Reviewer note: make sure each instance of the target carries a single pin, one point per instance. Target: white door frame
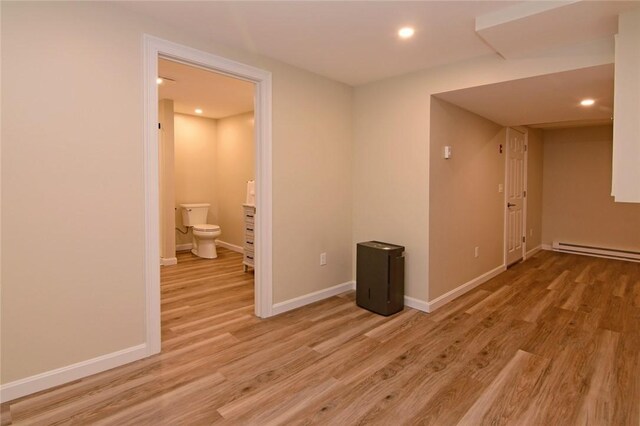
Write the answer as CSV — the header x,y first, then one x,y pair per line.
x,y
153,49
526,196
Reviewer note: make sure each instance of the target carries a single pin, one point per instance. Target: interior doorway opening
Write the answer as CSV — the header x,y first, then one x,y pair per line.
x,y
155,50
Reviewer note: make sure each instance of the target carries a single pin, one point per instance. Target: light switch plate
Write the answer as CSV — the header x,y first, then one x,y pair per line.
x,y
447,152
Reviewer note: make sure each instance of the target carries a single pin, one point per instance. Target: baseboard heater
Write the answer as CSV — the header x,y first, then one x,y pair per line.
x,y
633,256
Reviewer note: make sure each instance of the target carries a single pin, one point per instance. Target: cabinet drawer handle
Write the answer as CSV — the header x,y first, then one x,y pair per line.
x,y
250,242
249,216
249,229
250,257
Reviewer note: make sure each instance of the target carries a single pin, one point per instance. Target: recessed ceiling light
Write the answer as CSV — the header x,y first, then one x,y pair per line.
x,y
587,102
198,111
159,80
406,32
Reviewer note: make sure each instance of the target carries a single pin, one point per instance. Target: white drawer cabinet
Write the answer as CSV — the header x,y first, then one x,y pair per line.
x,y
249,222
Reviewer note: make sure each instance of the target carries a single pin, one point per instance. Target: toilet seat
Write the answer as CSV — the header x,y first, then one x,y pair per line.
x,y
206,228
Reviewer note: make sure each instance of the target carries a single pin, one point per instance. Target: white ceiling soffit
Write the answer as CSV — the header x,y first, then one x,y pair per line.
x,y
541,100
216,94
529,27
354,42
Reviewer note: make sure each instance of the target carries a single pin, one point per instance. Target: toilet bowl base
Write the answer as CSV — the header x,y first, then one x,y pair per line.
x,y
205,249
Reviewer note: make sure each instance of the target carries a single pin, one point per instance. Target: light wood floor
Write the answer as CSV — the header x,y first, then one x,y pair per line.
x,y
552,341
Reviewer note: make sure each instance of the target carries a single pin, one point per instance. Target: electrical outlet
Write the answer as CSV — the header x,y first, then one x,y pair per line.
x,y
476,252
323,259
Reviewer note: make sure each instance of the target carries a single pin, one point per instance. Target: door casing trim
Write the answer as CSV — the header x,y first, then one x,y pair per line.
x,y
153,49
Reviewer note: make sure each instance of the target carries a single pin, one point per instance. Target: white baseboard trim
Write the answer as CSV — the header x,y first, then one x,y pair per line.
x,y
464,288
184,247
166,261
409,302
59,376
532,251
297,302
229,246
418,304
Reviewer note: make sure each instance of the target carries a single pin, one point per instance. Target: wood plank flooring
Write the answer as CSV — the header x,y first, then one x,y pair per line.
x,y
552,341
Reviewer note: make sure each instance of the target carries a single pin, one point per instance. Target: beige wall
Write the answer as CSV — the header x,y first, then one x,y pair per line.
x,y
214,159
195,168
534,188
577,202
312,186
466,207
391,145
234,167
72,180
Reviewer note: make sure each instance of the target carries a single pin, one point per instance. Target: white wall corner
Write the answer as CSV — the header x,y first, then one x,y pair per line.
x,y
60,376
307,299
464,288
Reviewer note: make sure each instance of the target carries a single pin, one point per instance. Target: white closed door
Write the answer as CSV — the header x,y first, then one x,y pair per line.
x,y
515,193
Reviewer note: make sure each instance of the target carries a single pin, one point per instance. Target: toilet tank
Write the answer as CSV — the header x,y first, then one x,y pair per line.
x,y
194,214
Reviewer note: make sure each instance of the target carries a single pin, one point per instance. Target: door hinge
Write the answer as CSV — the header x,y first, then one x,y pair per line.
x,y
526,147
524,193
524,239
159,126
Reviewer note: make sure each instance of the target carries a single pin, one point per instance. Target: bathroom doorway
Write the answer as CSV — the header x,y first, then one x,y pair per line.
x,y
207,198
158,50
206,159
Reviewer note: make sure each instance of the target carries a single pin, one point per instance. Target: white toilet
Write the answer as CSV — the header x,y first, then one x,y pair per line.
x,y
204,235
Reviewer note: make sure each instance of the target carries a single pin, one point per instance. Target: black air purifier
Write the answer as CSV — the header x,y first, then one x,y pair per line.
x,y
380,277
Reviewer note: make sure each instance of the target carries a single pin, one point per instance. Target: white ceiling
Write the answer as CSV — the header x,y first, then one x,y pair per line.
x,y
217,95
355,42
543,100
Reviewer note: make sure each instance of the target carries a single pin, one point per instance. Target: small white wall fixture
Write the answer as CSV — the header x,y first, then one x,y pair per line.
x,y
155,48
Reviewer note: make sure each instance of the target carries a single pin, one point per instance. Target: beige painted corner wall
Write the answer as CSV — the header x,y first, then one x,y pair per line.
x,y
211,162
466,207
234,167
391,145
534,188
72,178
577,202
195,168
